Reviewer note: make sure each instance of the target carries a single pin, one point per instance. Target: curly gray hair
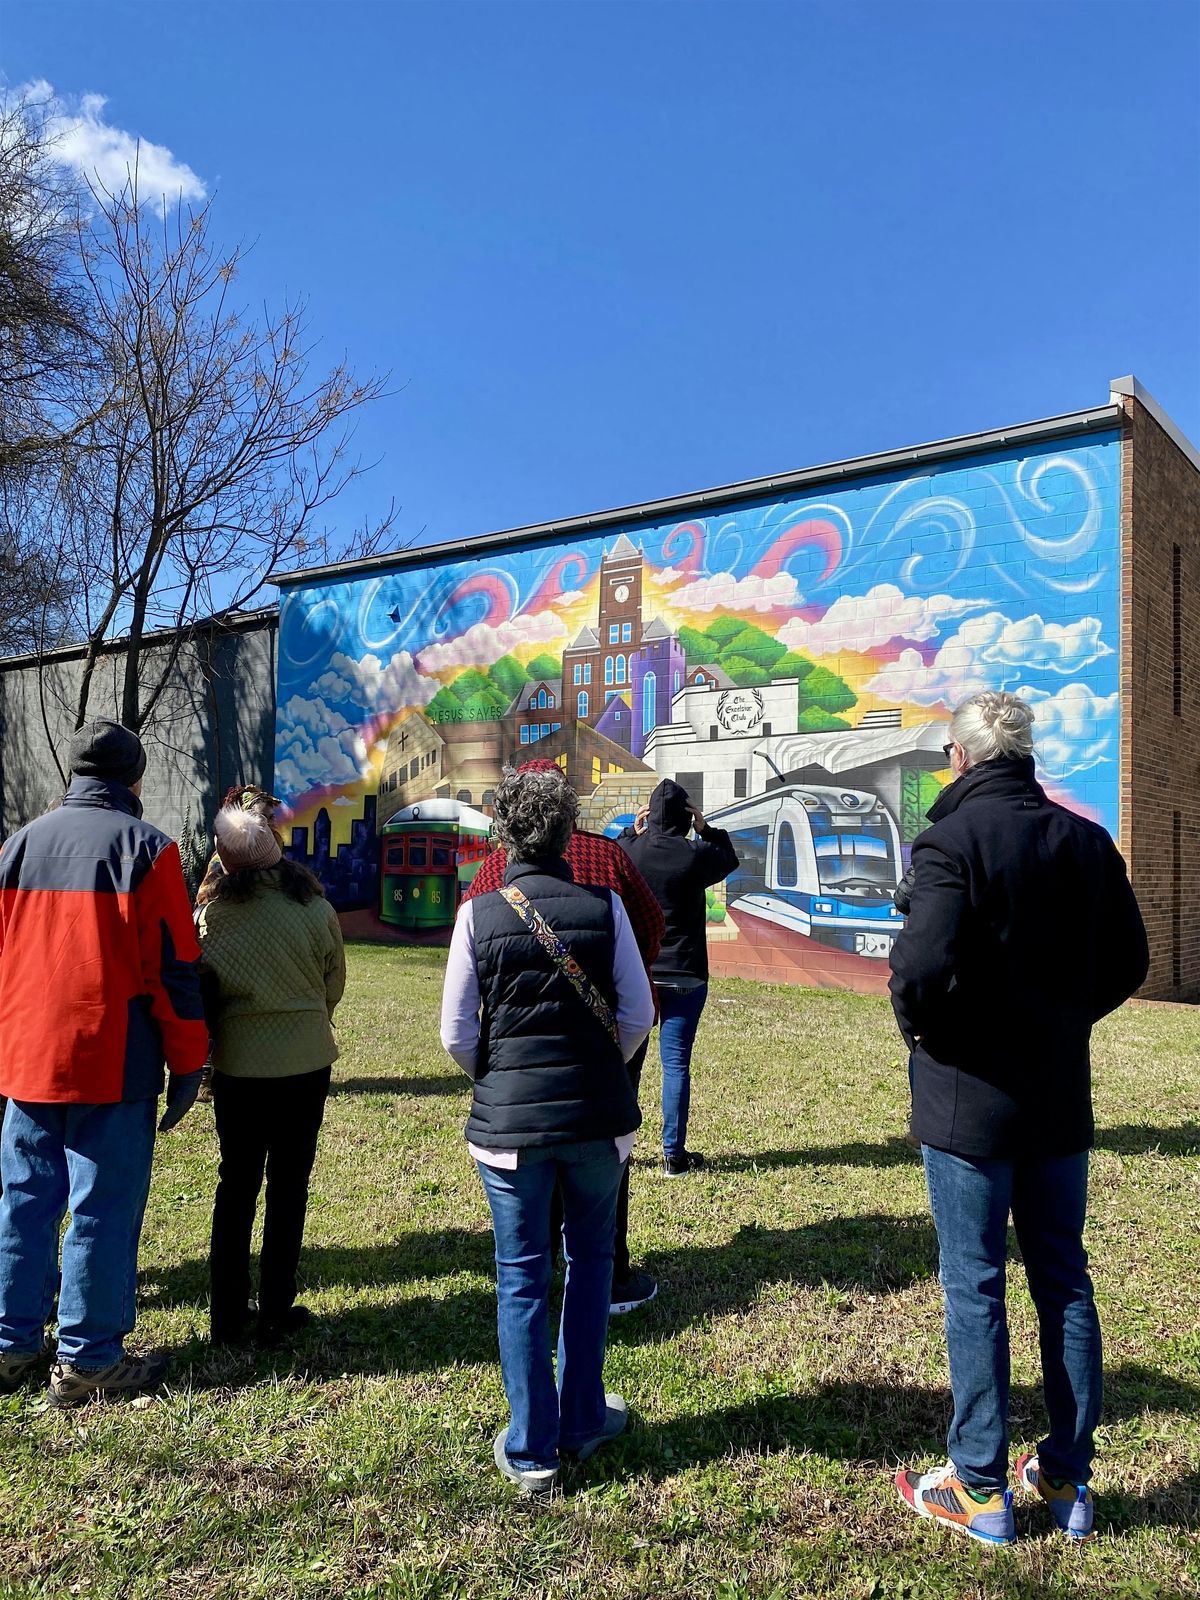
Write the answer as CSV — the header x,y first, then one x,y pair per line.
x,y
534,813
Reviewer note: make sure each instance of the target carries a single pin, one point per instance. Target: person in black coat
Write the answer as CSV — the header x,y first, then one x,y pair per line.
x,y
1022,931
679,870
546,1000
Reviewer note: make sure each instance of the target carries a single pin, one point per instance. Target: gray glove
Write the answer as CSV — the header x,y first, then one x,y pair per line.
x,y
182,1089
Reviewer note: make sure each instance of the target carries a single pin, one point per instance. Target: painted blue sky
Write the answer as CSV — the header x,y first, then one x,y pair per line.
x,y
989,572
610,252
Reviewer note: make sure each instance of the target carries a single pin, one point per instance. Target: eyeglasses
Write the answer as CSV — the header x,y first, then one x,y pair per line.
x,y
946,750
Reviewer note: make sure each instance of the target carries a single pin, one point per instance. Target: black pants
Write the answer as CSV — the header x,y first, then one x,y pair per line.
x,y
266,1124
621,1264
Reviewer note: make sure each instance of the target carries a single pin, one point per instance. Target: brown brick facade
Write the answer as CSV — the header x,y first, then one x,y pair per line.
x,y
1160,663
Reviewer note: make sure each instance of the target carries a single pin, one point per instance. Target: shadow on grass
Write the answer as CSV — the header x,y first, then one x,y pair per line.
x,y
879,1424
427,1331
887,1153
444,1084
1134,1139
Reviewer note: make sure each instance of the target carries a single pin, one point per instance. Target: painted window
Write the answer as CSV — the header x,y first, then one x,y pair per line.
x,y
524,733
739,784
587,672
626,632
545,729
614,632
550,701
465,796
676,688
596,773
533,702
608,669
649,686
786,864
583,704
578,674
541,699
620,669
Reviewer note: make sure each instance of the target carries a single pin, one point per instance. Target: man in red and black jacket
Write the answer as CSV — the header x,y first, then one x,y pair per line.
x,y
600,863
99,983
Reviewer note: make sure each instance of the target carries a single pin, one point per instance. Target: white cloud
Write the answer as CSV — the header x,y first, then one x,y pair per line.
x,y
726,593
1073,728
484,644
316,745
85,143
865,622
397,686
988,652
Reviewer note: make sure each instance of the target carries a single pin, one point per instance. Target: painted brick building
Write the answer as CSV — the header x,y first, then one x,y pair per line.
x,y
790,649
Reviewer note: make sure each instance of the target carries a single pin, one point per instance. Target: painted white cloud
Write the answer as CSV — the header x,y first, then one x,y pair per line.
x,y
724,592
988,652
314,745
86,143
1073,728
865,622
374,686
484,643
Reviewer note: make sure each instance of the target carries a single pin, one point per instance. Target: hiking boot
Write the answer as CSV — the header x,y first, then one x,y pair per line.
x,y
15,1368
616,1417
680,1166
273,1330
537,1483
1070,1504
982,1514
637,1290
75,1386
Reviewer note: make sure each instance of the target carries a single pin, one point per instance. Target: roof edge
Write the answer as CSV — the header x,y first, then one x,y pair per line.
x,y
1093,421
1135,390
232,622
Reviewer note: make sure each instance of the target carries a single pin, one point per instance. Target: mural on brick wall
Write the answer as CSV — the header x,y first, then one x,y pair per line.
x,y
791,663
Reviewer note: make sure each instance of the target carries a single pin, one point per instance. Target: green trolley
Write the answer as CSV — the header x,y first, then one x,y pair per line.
x,y
429,853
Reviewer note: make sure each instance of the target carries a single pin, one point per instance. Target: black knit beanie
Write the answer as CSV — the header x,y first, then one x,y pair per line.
x,y
103,749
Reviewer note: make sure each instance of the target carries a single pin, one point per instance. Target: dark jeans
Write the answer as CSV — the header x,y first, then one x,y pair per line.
x,y
971,1201
271,1124
679,1017
622,1266
546,1417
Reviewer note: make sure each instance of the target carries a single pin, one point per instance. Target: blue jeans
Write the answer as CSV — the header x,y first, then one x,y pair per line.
x,y
679,1017
588,1175
971,1201
95,1162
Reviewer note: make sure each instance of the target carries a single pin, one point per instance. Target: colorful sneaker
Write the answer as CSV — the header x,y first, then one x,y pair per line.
x,y
537,1484
14,1369
75,1386
1070,1504
943,1496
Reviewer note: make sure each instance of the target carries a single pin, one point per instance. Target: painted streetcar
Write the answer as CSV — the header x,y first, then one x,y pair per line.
x,y
820,861
429,853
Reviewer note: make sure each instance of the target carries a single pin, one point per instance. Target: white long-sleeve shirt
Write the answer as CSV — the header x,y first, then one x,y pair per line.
x,y
461,1001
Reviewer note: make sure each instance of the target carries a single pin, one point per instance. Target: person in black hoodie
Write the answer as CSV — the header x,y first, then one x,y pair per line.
x,y
679,870
1022,932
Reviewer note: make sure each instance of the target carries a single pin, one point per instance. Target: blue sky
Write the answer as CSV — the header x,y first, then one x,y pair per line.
x,y
611,252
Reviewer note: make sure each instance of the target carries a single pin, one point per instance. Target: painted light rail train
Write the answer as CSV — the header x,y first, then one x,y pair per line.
x,y
822,861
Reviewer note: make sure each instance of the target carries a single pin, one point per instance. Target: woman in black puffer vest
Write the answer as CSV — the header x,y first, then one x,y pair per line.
x,y
546,999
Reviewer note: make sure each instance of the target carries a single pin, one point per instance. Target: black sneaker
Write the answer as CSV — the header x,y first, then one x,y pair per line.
x,y
637,1290
680,1166
272,1331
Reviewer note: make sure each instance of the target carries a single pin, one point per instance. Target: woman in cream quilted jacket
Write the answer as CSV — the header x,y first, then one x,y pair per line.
x,y
272,971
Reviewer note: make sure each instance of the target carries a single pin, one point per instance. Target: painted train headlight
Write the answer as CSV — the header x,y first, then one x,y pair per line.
x,y
825,907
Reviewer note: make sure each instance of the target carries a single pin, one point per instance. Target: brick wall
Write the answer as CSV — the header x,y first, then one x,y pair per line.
x,y
1160,697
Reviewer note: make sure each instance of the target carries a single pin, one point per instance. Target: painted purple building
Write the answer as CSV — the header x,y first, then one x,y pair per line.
x,y
658,673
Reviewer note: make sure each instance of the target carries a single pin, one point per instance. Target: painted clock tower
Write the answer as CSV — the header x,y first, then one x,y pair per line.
x,y
599,665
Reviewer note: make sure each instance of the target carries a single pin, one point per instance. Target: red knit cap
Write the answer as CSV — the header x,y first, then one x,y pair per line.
x,y
541,764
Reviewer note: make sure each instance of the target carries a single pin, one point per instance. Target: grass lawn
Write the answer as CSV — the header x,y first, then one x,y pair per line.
x,y
793,1358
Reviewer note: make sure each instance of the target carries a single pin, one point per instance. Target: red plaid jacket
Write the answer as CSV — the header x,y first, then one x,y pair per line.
x,y
601,863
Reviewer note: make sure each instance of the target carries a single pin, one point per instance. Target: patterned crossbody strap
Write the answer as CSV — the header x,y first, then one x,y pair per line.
x,y
563,960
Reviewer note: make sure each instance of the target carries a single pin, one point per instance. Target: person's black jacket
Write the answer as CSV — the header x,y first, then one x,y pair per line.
x,y
548,1072
679,870
1023,930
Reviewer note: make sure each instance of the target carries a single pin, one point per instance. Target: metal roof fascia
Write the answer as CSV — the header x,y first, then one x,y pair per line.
x,y
240,622
1073,422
